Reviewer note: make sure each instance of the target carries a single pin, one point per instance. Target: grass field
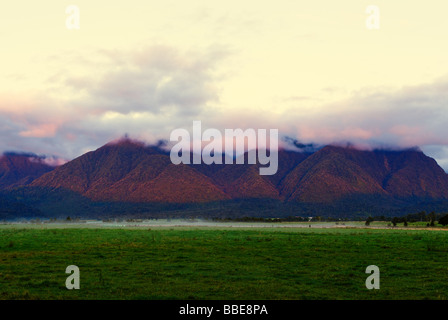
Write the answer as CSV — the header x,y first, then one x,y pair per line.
x,y
221,263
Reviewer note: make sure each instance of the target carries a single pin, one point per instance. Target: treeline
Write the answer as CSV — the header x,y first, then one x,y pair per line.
x,y
430,218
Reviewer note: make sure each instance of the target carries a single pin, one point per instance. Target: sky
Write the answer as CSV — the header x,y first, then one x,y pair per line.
x,y
311,69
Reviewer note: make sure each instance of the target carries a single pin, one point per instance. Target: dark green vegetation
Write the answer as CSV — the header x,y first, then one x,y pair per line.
x,y
218,263
39,202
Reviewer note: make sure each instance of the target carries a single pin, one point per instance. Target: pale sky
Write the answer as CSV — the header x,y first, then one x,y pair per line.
x,y
311,69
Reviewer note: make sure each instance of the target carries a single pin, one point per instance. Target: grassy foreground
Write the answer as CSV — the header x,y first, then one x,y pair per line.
x,y
222,263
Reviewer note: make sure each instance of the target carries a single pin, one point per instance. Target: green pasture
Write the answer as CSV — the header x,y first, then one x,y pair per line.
x,y
278,263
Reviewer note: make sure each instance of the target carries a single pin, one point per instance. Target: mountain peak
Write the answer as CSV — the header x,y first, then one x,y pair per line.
x,y
17,169
125,142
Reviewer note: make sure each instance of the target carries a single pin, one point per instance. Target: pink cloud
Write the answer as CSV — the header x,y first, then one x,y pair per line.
x,y
40,131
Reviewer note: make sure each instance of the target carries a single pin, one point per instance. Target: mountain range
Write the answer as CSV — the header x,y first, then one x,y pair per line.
x,y
130,177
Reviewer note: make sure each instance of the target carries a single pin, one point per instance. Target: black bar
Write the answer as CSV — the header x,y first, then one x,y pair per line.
x,y
236,309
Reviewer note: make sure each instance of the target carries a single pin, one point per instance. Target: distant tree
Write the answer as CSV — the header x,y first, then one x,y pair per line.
x,y
395,220
444,220
405,222
369,220
68,218
432,218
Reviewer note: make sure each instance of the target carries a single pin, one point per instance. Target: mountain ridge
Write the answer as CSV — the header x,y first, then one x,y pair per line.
x,y
132,172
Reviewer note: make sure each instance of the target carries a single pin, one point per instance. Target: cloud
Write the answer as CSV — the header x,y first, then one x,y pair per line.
x,y
406,117
297,145
49,160
150,91
371,118
155,79
22,154
388,118
145,92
